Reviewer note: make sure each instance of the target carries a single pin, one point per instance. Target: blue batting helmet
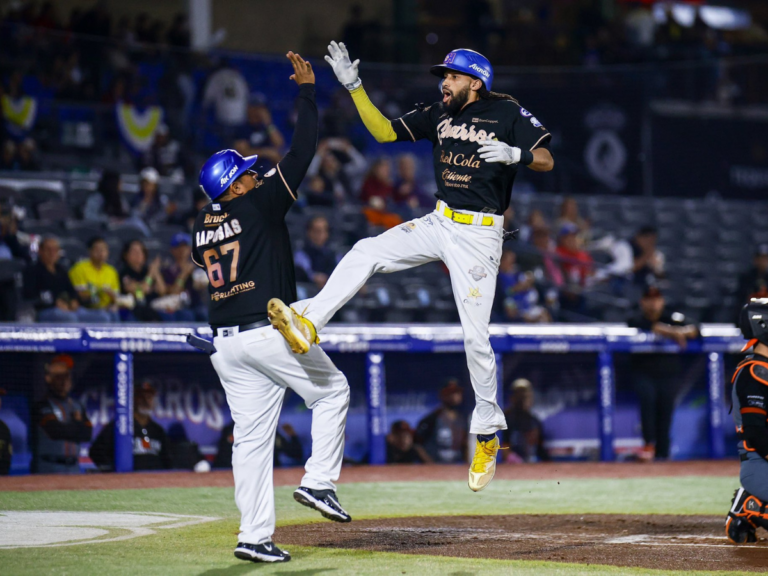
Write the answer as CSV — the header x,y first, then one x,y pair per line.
x,y
466,62
221,169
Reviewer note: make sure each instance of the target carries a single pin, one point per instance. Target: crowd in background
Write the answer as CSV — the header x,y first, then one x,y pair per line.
x,y
61,427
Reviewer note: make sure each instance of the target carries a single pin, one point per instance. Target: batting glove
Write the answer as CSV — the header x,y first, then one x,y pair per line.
x,y
345,70
495,151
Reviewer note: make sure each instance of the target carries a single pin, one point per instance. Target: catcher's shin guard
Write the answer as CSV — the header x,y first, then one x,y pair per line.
x,y
746,514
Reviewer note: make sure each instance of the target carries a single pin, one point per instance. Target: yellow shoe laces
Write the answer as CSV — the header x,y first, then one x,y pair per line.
x,y
485,453
311,331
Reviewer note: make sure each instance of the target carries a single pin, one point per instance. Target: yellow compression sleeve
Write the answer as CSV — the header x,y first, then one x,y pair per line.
x,y
377,124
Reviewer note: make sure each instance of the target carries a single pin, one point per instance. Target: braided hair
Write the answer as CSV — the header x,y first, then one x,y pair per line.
x,y
486,94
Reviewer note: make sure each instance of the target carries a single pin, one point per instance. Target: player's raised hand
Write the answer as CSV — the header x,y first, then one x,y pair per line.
x,y
343,67
496,151
302,70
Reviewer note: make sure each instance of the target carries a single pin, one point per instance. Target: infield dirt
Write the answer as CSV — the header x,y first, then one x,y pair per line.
x,y
653,541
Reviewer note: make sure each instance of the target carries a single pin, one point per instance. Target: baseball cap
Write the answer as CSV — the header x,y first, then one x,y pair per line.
x,y
150,175
65,359
401,426
181,238
567,228
521,383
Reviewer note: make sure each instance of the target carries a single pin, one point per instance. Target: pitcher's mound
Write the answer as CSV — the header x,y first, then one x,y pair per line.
x,y
661,542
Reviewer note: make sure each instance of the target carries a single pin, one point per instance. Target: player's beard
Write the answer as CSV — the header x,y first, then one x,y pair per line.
x,y
457,101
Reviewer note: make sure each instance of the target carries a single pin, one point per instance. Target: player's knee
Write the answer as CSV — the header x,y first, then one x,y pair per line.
x,y
477,345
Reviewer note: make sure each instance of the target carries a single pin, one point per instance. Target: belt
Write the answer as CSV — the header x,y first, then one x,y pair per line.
x,y
463,217
223,332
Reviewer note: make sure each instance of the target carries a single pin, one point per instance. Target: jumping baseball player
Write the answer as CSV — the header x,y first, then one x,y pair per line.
x,y
750,410
242,242
479,139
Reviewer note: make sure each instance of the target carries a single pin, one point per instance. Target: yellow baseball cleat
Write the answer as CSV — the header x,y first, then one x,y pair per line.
x,y
299,332
483,465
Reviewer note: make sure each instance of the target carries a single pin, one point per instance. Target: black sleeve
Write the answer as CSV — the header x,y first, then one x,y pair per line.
x,y
197,260
640,322
6,449
165,454
74,431
426,429
31,291
417,124
102,451
527,132
224,453
752,391
291,447
293,167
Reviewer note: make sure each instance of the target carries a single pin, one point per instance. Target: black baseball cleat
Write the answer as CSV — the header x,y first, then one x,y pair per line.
x,y
265,552
738,528
324,501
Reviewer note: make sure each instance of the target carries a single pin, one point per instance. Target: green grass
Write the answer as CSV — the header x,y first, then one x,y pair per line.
x,y
206,549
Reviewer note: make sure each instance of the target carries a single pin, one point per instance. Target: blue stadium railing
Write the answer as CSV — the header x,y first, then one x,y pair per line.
x,y
375,341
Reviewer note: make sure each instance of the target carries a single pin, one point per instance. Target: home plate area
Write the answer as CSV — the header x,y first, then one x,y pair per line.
x,y
35,529
661,542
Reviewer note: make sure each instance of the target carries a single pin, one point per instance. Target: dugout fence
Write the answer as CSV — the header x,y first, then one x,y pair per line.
x,y
394,371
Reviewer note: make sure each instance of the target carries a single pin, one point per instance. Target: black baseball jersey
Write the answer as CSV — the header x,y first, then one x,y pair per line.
x,y
243,244
464,180
750,405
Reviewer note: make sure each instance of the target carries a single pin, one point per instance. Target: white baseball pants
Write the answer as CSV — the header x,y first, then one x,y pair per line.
x,y
471,254
255,367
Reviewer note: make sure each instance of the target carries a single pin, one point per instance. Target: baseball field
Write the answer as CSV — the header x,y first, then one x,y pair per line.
x,y
575,518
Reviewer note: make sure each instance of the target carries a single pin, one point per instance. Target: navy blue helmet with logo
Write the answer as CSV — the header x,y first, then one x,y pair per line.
x,y
467,62
221,169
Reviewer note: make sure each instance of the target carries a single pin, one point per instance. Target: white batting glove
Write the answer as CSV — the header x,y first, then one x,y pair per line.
x,y
496,151
345,70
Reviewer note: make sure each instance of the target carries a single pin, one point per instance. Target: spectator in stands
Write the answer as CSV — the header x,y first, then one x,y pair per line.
x,y
754,282
353,32
377,193
8,160
535,221
150,442
178,34
259,135
141,280
315,258
60,423
187,219
569,214
107,204
47,285
378,182
400,446
288,448
575,262
27,155
227,91
340,166
524,434
656,376
165,155
317,192
443,433
6,443
517,299
548,270
96,281
12,253
409,194
648,260
178,274
151,207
